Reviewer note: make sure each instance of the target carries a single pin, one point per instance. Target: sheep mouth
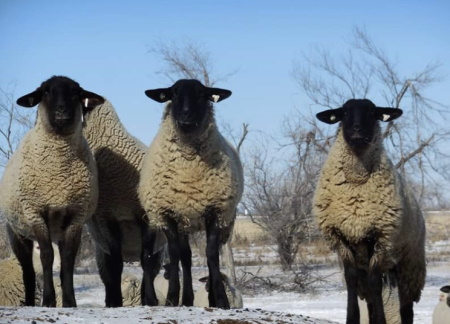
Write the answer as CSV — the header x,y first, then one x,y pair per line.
x,y
187,127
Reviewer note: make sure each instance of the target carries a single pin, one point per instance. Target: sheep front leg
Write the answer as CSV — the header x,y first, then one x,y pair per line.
x,y
68,249
150,264
406,311
375,286
216,296
186,263
23,250
171,232
351,274
47,256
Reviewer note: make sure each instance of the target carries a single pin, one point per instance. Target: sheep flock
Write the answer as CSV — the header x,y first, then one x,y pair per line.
x,y
79,166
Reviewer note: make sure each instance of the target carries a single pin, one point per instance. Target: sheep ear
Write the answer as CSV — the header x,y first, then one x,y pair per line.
x,y
387,114
31,99
90,100
445,289
159,95
203,279
217,94
330,116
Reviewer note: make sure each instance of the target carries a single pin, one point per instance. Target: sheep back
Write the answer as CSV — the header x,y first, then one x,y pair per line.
x,y
184,183
119,158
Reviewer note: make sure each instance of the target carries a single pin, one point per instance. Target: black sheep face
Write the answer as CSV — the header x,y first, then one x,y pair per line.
x,y
359,121
63,101
191,103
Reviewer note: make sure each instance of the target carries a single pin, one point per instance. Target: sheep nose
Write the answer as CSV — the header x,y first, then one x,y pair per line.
x,y
357,128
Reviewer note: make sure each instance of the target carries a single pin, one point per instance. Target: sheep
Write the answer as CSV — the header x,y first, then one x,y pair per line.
x,y
49,186
12,291
441,313
131,290
191,180
367,213
117,226
234,296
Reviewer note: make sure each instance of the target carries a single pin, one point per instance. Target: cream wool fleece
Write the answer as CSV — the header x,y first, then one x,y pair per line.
x,y
184,179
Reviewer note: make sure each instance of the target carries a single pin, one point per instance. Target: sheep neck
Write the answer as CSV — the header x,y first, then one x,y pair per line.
x,y
202,144
47,135
358,169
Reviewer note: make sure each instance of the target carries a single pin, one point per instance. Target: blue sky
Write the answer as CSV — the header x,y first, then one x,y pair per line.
x,y
104,46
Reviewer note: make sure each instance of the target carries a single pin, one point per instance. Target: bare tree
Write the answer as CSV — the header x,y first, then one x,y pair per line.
x,y
14,122
187,59
280,187
365,70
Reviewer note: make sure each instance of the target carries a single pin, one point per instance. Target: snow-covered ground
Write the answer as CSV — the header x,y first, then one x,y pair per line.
x,y
327,304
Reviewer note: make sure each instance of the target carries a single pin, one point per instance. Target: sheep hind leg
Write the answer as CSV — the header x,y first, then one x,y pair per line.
x,y
150,263
217,296
173,293
68,249
23,250
186,263
110,266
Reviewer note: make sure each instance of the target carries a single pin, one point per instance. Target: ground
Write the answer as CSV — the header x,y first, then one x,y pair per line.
x,y
325,305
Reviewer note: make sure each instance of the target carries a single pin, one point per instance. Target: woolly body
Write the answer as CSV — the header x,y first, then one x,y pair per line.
x,y
364,199
119,158
185,181
12,289
49,173
131,290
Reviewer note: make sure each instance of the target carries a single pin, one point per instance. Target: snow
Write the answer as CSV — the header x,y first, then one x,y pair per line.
x,y
327,304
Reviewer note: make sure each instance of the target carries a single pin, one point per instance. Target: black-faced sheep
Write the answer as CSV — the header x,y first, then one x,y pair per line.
x,y
191,180
118,226
367,213
49,187
441,313
234,296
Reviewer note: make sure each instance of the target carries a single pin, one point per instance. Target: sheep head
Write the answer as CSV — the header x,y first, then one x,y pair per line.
x,y
62,101
191,103
359,121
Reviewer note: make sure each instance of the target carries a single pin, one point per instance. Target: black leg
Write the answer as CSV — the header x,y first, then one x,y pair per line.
x,y
217,296
23,250
47,257
351,279
171,232
186,263
375,286
150,264
68,249
407,313
110,266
